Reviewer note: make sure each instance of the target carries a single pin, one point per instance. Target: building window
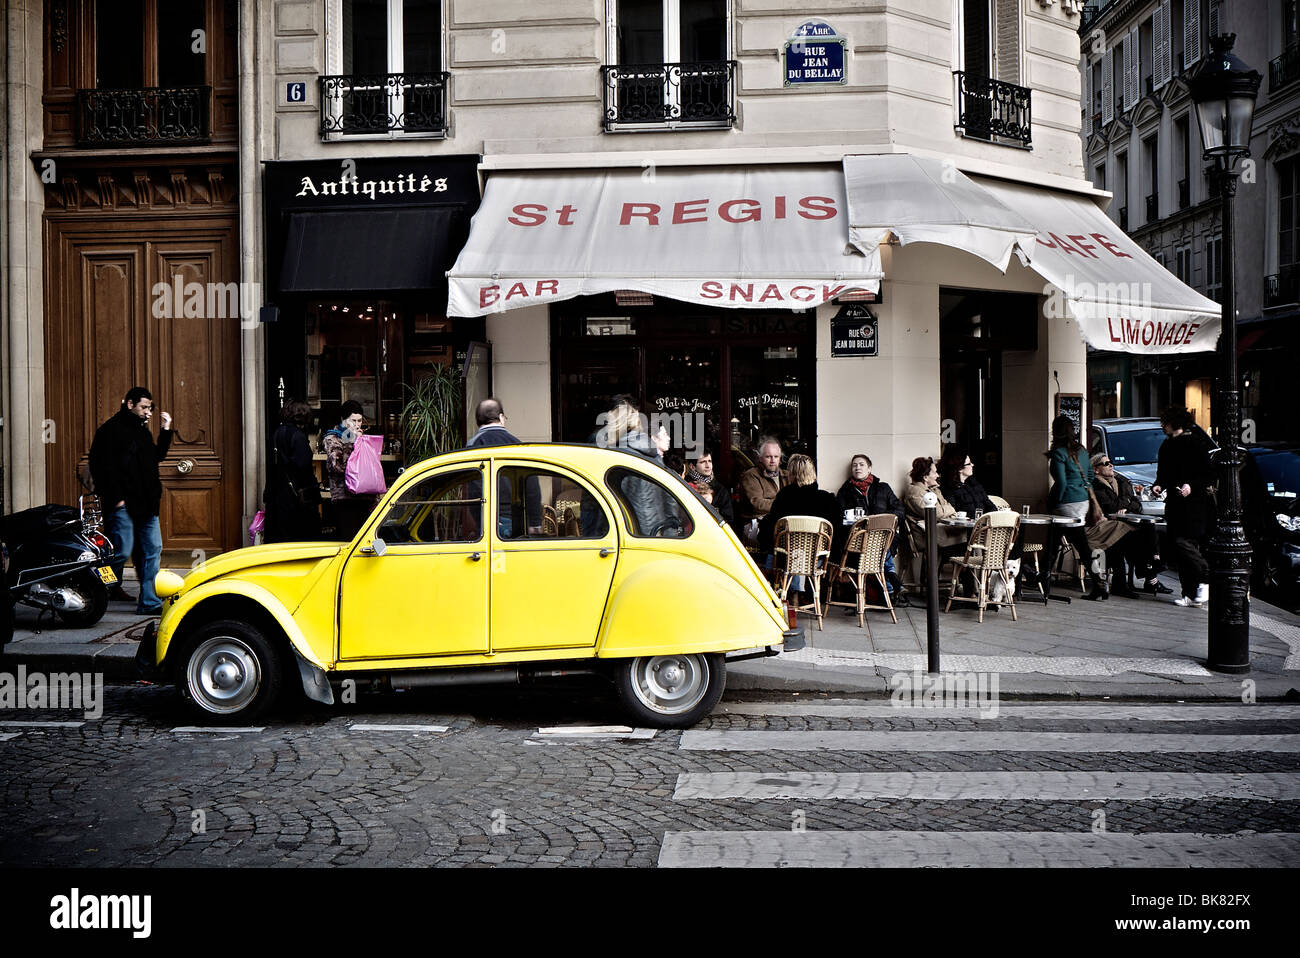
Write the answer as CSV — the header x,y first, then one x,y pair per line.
x,y
388,78
1151,178
669,65
1121,189
1183,265
989,102
1182,161
1214,268
150,72
1283,287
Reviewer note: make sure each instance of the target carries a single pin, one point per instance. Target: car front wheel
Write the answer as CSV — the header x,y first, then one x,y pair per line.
x,y
671,691
232,672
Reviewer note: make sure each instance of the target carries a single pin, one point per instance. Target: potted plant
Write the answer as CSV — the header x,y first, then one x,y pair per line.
x,y
431,421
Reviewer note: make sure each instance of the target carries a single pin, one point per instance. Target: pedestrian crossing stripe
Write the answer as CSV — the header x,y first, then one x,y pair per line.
x,y
1062,665
5,736
41,724
361,727
960,849
975,786
955,741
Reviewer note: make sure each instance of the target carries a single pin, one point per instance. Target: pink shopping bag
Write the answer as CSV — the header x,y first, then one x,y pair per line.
x,y
365,473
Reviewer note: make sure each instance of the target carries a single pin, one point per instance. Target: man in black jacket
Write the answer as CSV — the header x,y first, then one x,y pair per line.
x,y
124,464
491,419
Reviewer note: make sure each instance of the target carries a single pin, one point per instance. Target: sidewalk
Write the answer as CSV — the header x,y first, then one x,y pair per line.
x,y
1122,648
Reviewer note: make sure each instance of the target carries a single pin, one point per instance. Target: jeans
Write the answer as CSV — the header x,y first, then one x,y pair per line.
x,y
124,531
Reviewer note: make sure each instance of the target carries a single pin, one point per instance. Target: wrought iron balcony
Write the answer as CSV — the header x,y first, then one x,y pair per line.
x,y
992,110
1284,69
1123,218
1184,194
1153,208
657,95
383,103
1283,287
144,117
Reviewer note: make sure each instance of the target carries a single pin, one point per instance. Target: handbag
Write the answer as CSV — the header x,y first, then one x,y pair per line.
x,y
1095,513
364,475
305,495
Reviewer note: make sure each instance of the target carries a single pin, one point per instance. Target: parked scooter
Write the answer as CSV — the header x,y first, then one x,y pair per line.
x,y
59,561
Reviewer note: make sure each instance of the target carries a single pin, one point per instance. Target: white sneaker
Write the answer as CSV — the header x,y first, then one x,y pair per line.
x,y
1203,593
1186,601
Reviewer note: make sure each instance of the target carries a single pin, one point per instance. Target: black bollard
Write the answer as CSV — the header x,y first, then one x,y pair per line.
x,y
932,587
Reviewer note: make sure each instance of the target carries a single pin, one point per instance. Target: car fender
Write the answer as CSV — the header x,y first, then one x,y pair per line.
x,y
669,603
174,616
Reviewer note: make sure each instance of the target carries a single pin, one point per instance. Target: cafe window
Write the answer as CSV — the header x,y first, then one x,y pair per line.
x,y
719,380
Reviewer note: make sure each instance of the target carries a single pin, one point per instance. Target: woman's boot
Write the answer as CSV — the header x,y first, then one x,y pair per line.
x,y
1096,587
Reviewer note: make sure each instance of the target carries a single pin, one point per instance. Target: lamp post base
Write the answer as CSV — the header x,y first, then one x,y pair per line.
x,y
1229,633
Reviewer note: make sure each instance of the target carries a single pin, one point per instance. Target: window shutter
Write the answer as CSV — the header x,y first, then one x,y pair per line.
x,y
1214,18
1107,87
1160,45
1125,71
1191,32
1131,76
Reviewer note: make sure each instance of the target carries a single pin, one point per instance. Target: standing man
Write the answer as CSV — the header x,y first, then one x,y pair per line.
x,y
491,419
124,464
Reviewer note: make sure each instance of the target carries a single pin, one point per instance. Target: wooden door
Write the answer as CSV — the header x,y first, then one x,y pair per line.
x,y
109,326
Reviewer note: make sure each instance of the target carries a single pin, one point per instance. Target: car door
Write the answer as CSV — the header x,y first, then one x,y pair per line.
x,y
428,593
554,548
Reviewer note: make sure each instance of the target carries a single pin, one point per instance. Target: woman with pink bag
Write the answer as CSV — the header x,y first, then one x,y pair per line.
x,y
350,509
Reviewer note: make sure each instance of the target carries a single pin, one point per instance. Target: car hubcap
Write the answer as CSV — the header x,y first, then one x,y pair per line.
x,y
671,684
223,675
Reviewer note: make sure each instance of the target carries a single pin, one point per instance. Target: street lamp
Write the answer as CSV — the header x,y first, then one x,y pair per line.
x,y
1224,90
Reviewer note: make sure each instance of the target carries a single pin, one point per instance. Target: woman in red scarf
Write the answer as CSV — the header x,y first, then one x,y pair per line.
x,y
873,496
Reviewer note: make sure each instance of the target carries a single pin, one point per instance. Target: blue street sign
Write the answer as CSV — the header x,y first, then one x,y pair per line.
x,y
815,53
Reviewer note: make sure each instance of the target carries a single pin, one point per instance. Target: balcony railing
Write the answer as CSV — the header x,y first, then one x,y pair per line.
x,y
1283,287
1153,208
1184,194
657,95
1096,123
1123,218
144,117
1284,69
383,103
992,110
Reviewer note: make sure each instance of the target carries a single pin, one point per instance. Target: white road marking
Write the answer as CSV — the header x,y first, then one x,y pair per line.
x,y
962,786
360,727
6,736
948,741
893,849
1066,665
594,732
219,729
42,724
1099,713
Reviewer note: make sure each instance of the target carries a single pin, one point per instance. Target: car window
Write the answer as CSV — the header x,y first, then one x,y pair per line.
x,y
1130,446
447,507
649,509
1280,472
534,503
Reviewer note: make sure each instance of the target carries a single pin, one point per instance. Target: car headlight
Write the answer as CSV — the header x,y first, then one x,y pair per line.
x,y
1287,523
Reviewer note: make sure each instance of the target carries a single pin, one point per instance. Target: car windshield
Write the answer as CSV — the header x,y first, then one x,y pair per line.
x,y
1134,445
1281,472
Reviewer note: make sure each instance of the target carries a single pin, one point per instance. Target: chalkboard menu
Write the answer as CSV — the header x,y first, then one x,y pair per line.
x,y
1071,404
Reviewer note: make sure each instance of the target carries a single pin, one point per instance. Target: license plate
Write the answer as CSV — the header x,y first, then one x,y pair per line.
x,y
107,575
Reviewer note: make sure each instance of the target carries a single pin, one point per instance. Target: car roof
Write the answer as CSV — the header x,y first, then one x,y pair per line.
x,y
581,456
1118,425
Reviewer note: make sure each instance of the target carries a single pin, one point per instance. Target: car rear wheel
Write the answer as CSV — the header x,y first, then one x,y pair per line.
x,y
232,672
671,691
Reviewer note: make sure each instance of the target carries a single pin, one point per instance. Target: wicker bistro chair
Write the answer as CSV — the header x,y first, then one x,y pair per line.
x,y
986,556
802,546
864,557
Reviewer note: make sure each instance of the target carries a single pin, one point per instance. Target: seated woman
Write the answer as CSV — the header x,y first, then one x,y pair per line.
x,y
801,497
925,478
960,487
1140,548
874,497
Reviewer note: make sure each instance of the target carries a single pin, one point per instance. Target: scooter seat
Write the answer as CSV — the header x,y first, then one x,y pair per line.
x,y
36,522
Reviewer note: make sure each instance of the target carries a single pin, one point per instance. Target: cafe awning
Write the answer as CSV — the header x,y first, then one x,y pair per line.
x,y
1122,299
913,199
769,238
331,251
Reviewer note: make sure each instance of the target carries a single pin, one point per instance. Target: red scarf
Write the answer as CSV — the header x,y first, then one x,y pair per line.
x,y
862,485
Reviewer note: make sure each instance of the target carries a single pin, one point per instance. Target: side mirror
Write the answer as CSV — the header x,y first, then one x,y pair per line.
x,y
380,546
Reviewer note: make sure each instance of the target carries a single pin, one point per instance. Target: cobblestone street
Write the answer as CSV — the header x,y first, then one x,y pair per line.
x,y
793,780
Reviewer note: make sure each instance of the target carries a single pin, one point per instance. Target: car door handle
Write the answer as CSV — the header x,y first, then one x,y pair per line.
x,y
476,556
606,553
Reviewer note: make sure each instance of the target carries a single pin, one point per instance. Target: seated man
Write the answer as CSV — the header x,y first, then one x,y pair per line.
x,y
759,486
700,475
1139,548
